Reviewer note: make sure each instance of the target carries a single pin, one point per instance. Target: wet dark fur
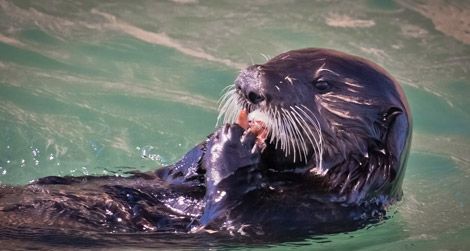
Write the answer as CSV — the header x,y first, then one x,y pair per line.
x,y
221,185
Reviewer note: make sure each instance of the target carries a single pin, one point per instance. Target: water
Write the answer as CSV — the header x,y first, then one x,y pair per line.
x,y
92,87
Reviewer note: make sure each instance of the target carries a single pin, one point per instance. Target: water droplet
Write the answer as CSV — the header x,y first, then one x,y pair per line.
x,y
108,212
155,157
145,151
4,172
148,152
51,156
96,147
220,195
35,152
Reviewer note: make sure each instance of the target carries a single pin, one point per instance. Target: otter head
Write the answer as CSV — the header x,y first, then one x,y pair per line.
x,y
342,117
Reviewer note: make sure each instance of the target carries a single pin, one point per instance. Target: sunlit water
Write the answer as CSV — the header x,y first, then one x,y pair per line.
x,y
92,88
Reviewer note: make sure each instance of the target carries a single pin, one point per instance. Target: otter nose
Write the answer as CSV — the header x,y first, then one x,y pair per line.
x,y
255,98
249,84
250,92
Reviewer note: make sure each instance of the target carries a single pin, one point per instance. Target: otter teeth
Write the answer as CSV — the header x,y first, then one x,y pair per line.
x,y
258,115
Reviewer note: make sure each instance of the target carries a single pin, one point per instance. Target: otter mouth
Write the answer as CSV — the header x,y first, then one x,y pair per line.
x,y
255,123
294,129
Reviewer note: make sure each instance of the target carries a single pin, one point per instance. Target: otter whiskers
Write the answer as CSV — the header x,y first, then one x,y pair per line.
x,y
294,129
229,106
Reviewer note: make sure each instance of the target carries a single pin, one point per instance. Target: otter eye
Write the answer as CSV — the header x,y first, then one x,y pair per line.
x,y
322,85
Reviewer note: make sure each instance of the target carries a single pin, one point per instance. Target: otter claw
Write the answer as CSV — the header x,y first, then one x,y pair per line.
x,y
259,146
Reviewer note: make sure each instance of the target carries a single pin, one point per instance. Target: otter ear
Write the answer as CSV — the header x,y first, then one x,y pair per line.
x,y
396,138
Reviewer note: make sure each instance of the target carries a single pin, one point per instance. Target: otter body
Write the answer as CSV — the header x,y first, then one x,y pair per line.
x,y
338,131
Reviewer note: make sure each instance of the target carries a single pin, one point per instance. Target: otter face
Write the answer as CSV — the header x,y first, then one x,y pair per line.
x,y
322,106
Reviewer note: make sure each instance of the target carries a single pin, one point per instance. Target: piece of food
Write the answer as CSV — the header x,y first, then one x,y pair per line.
x,y
253,123
242,119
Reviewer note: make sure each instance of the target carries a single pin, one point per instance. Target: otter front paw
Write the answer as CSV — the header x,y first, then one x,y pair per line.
x,y
231,164
229,149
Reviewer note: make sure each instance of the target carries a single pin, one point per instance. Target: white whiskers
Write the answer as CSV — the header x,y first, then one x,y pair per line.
x,y
229,106
294,129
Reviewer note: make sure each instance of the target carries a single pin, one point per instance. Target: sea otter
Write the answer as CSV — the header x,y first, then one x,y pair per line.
x,y
313,141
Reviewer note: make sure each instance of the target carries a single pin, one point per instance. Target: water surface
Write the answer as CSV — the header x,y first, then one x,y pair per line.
x,y
93,87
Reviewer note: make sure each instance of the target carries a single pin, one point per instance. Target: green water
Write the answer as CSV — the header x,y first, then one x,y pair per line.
x,y
103,87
